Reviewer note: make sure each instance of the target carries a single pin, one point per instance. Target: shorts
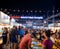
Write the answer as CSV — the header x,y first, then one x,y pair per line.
x,y
13,39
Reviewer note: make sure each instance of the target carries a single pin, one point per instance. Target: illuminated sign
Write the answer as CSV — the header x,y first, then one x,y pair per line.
x,y
29,17
14,16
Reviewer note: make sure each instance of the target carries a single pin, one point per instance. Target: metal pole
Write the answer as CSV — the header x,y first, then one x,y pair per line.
x,y
53,16
47,17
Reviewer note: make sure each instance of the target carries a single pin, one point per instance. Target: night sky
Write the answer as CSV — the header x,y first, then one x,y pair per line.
x,y
29,4
43,5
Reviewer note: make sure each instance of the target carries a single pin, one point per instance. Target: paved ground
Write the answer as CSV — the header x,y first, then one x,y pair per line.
x,y
6,47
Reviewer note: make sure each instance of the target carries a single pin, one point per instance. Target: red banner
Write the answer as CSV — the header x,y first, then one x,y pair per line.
x,y
14,16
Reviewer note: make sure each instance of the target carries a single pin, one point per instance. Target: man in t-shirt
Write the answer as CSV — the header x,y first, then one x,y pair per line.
x,y
26,41
21,32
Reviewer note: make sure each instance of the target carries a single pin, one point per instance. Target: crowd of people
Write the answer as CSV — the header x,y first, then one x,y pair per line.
x,y
21,38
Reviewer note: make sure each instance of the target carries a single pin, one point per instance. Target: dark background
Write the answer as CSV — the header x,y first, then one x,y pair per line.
x,y
30,4
43,5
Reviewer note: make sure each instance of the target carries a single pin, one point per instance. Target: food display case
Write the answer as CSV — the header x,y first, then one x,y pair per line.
x,y
1,39
36,44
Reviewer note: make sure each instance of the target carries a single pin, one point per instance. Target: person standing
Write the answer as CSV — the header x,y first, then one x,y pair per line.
x,y
26,41
47,43
5,36
13,37
21,31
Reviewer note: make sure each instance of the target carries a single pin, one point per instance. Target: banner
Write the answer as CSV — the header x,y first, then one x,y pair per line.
x,y
31,17
27,17
14,16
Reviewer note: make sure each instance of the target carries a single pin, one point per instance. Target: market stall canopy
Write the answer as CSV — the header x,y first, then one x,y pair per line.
x,y
4,18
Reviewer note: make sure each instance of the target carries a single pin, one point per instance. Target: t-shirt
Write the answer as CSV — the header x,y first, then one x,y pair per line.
x,y
14,32
5,37
25,42
13,38
48,43
21,32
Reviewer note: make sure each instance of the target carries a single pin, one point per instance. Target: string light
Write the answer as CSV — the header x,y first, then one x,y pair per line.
x,y
18,10
27,11
57,11
8,12
14,10
5,9
31,11
40,11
